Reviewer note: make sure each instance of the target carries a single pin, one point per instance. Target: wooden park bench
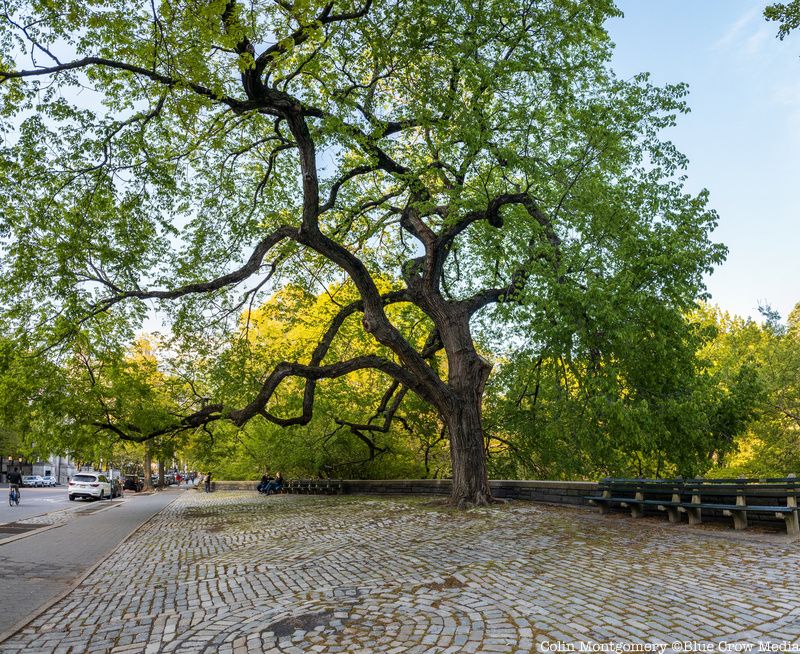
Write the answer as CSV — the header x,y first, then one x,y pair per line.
x,y
315,486
732,497
296,486
328,486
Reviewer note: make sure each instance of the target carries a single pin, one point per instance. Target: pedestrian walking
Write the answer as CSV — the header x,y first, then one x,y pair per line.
x,y
208,482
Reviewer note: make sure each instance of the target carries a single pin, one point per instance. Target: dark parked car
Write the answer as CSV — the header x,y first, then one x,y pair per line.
x,y
132,483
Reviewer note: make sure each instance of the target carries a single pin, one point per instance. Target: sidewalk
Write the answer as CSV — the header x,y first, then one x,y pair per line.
x,y
235,573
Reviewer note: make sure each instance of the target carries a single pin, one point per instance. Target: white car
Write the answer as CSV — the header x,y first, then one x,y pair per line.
x,y
89,485
32,480
49,481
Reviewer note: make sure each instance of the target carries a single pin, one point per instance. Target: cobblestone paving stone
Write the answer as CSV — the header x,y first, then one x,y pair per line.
x,y
238,573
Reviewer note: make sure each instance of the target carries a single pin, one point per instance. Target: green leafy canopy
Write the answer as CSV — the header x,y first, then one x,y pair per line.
x,y
196,156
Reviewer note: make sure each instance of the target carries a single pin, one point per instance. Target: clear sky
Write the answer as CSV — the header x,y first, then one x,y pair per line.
x,y
742,136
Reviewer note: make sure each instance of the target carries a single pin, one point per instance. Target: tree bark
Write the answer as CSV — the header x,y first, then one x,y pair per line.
x,y
463,416
470,478
148,464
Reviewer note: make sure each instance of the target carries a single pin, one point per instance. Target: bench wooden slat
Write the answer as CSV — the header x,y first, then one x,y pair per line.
x,y
740,507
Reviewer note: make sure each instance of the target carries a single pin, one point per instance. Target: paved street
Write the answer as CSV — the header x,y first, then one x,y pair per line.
x,y
34,501
235,572
43,565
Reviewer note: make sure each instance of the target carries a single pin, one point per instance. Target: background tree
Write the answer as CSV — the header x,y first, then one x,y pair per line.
x,y
97,403
34,404
359,428
346,436
770,446
646,402
484,153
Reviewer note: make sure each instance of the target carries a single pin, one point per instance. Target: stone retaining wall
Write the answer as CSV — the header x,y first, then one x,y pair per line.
x,y
554,492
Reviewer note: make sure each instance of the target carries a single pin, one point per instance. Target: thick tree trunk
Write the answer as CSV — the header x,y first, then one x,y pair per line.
x,y
467,456
148,464
468,372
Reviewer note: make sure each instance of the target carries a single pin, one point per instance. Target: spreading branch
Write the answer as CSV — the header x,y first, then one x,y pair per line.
x,y
246,271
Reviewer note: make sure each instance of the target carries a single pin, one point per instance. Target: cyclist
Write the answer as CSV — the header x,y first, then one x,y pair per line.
x,y
14,482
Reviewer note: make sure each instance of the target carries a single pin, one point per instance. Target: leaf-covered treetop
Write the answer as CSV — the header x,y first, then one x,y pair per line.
x,y
207,151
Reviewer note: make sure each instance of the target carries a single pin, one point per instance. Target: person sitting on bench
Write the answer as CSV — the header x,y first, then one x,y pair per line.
x,y
265,479
275,485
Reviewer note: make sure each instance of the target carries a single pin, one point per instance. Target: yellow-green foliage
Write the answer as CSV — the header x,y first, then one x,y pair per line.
x,y
771,444
287,328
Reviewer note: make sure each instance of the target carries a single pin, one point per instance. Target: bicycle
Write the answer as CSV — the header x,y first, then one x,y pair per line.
x,y
13,496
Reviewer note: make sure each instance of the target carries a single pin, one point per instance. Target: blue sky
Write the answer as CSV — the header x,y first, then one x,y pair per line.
x,y
742,136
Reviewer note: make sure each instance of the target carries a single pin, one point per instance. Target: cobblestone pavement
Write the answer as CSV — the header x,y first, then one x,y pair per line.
x,y
238,573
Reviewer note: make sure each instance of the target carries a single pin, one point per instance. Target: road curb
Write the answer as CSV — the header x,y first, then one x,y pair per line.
x,y
8,633
70,509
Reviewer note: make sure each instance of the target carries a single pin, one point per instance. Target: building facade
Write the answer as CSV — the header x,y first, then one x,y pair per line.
x,y
60,467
